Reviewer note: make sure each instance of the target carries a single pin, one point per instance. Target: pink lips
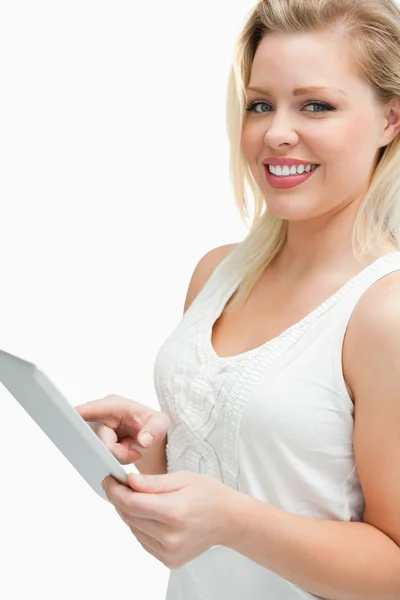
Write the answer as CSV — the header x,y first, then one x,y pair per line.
x,y
289,181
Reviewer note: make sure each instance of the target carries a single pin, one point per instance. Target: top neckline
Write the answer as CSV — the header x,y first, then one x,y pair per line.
x,y
318,311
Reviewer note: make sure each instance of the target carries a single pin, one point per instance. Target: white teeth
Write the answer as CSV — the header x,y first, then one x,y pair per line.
x,y
292,170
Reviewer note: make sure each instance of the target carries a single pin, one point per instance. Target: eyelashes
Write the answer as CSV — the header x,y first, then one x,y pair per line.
x,y
326,107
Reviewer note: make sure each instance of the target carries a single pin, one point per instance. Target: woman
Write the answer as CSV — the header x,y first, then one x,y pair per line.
x,y
279,388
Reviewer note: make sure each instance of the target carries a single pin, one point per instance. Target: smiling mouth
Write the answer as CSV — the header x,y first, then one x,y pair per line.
x,y
313,168
288,181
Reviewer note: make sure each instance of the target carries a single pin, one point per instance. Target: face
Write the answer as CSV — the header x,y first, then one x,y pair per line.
x,y
341,131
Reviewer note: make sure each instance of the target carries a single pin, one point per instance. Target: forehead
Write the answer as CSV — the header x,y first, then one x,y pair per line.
x,y
312,41
302,59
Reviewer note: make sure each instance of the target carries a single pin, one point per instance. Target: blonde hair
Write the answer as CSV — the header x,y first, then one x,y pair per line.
x,y
372,29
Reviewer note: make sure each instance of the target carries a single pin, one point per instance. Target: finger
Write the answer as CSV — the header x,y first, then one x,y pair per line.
x,y
122,452
107,435
136,504
157,426
141,530
149,527
110,410
131,449
151,545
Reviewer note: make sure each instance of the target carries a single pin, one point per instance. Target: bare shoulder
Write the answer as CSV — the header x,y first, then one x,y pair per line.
x,y
373,354
203,271
373,330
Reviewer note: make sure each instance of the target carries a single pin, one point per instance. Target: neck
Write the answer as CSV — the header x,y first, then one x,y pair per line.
x,y
323,243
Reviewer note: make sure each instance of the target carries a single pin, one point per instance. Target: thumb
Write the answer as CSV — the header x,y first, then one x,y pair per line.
x,y
154,430
166,482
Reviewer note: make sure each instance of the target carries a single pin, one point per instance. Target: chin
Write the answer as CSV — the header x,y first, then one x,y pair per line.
x,y
291,213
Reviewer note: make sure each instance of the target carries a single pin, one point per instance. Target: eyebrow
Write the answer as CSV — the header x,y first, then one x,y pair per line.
x,y
300,91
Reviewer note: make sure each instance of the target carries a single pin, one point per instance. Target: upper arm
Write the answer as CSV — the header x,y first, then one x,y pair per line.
x,y
374,347
203,271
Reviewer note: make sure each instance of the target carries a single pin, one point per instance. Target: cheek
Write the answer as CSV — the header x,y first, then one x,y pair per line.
x,y
252,142
351,140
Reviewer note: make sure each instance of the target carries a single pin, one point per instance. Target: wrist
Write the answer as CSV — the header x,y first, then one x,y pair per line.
x,y
237,506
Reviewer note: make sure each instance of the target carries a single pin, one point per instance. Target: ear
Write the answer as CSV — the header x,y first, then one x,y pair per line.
x,y
392,119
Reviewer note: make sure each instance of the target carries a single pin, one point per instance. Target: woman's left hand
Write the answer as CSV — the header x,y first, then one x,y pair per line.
x,y
175,516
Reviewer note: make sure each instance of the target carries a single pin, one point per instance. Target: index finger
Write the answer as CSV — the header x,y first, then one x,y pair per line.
x,y
107,410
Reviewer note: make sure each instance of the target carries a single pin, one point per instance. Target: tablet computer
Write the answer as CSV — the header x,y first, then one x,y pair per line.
x,y
59,420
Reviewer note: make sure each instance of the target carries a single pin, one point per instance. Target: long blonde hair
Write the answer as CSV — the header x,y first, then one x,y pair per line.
x,y
372,28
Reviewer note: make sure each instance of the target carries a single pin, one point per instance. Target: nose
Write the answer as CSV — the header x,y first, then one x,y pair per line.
x,y
280,131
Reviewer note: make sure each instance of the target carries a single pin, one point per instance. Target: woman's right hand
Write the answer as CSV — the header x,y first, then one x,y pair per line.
x,y
120,424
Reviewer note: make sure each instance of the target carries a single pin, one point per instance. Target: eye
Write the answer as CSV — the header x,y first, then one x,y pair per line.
x,y
322,105
251,107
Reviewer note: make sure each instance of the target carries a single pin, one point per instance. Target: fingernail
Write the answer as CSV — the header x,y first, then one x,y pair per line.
x,y
146,439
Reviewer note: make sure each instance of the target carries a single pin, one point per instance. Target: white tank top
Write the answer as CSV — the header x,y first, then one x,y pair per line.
x,y
275,423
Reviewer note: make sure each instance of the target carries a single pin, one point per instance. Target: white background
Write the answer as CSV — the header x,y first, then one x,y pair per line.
x,y
114,183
